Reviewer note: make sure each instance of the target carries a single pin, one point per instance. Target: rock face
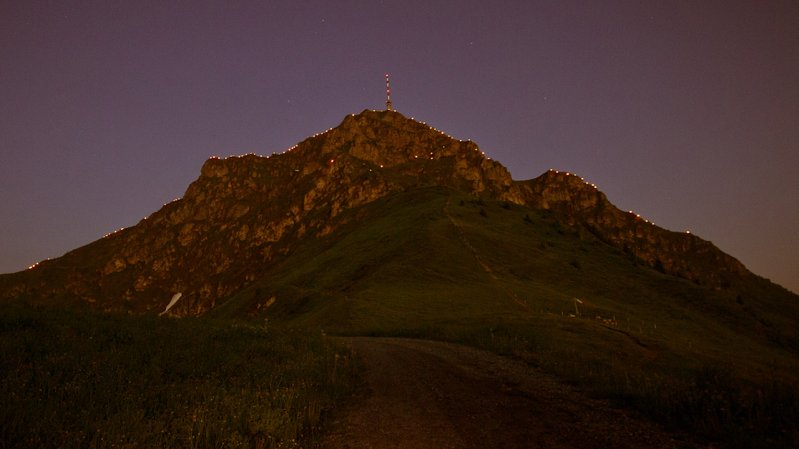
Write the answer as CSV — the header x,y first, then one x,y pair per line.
x,y
243,213
681,254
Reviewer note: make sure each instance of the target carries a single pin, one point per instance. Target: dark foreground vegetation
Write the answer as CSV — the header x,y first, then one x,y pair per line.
x,y
84,380
80,379
714,402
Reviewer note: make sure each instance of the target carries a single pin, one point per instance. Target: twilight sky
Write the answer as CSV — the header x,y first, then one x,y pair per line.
x,y
686,112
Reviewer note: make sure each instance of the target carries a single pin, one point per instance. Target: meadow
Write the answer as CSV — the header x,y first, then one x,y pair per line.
x,y
79,379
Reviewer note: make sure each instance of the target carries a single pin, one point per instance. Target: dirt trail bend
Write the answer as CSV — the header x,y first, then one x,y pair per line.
x,y
425,394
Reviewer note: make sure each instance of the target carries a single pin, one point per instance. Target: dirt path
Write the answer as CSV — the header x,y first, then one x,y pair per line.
x,y
486,268
424,394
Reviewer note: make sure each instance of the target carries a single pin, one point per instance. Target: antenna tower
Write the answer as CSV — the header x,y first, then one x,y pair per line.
x,y
388,95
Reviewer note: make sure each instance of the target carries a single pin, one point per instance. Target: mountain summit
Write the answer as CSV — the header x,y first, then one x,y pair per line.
x,y
246,214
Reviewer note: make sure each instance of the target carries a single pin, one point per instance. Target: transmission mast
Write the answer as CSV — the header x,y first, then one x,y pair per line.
x,y
388,95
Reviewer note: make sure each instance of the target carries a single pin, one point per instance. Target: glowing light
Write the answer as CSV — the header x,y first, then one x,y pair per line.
x,y
388,94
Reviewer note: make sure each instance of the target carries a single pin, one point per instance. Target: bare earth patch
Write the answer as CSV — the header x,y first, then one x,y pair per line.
x,y
425,394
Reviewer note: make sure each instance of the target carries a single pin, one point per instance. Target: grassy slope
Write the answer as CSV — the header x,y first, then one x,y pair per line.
x,y
431,260
436,264
75,378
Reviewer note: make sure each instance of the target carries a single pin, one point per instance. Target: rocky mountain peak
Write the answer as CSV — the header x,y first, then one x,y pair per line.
x,y
244,213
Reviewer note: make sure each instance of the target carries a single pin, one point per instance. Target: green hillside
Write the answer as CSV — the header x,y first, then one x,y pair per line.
x,y
435,263
434,260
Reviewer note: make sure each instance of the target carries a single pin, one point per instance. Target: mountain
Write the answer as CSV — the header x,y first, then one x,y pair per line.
x,y
387,226
246,217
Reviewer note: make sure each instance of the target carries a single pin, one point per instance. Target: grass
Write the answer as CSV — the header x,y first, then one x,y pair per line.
x,y
79,379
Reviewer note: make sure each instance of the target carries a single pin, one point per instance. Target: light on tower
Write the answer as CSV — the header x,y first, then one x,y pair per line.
x,y
388,95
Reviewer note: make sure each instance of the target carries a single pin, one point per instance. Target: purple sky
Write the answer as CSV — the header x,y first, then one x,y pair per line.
x,y
686,112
